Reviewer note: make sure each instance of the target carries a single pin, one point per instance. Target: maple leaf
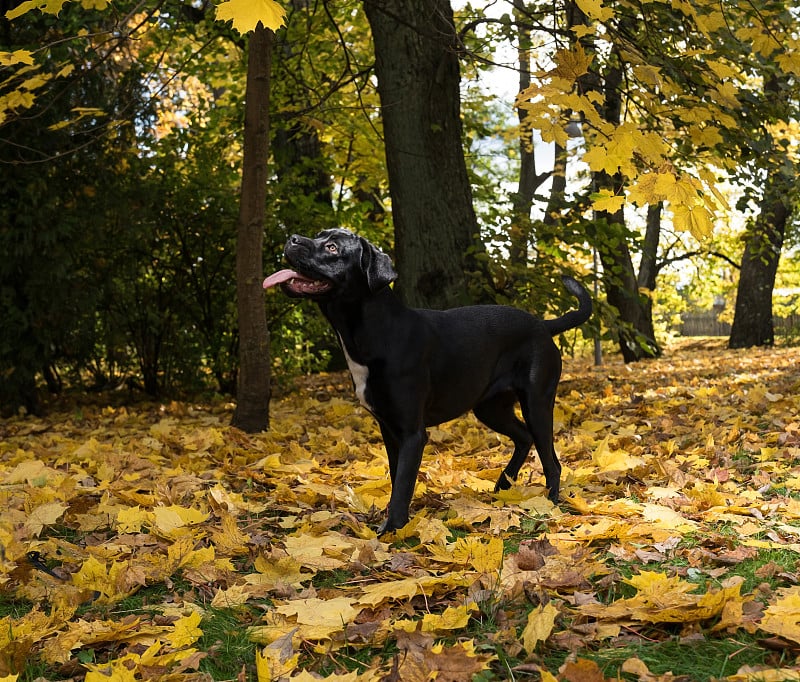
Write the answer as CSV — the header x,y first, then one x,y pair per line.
x,y
236,595
608,460
171,520
594,10
573,63
452,618
694,219
246,14
539,626
484,556
324,612
783,616
278,659
44,515
384,591
45,6
116,671
16,57
281,570
185,631
605,201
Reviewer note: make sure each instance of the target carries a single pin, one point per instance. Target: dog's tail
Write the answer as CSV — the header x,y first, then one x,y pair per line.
x,y
574,318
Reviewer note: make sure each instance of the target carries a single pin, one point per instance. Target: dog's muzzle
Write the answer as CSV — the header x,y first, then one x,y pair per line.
x,y
298,284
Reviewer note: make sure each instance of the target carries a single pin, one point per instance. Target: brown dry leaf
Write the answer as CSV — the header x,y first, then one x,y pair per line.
x,y
581,670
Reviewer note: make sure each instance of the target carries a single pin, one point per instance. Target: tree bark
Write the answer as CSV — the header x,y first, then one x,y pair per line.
x,y
252,408
648,267
752,318
529,179
635,329
437,243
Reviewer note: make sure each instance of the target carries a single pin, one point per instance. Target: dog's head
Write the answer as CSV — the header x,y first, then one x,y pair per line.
x,y
334,263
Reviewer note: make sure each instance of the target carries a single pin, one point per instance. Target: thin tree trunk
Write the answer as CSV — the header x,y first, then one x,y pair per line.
x,y
529,180
648,267
437,244
252,408
635,328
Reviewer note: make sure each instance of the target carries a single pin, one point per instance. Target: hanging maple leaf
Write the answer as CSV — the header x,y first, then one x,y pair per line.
x,y
246,14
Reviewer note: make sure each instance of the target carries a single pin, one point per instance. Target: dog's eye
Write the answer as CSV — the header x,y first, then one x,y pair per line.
x,y
330,247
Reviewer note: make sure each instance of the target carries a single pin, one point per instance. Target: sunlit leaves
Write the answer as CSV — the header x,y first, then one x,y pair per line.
x,y
46,6
16,57
682,104
246,14
675,475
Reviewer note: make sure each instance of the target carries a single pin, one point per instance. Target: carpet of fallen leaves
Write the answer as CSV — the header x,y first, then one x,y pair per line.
x,y
677,473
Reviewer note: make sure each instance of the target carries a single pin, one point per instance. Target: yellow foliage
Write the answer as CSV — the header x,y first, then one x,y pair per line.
x,y
246,14
94,513
539,626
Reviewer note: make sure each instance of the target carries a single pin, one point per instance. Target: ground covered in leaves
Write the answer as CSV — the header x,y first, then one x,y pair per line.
x,y
157,543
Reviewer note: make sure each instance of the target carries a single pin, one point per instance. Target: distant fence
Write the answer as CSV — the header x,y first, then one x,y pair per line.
x,y
708,324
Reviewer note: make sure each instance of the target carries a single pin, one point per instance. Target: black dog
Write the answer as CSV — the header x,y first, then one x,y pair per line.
x,y
418,368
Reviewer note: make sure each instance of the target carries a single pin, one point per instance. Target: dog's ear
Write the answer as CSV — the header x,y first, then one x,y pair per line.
x,y
377,266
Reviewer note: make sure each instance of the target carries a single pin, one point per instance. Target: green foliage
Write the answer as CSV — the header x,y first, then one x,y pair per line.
x,y
120,170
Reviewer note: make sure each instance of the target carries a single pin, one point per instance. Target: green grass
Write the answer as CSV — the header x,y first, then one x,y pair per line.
x,y
15,608
786,561
227,644
700,660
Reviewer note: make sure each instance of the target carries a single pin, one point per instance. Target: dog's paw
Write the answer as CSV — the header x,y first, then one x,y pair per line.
x,y
503,483
389,526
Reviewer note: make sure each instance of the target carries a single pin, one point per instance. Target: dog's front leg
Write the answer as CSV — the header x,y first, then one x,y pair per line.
x,y
392,446
407,460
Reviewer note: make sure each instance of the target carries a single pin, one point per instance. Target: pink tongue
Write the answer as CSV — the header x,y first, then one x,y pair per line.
x,y
280,277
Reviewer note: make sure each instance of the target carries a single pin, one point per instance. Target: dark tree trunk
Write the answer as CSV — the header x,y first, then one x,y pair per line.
x,y
529,180
648,267
252,407
307,206
635,330
752,318
436,232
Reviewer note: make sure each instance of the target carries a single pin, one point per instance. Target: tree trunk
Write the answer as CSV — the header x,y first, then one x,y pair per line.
x,y
752,318
436,232
635,329
529,180
648,266
252,408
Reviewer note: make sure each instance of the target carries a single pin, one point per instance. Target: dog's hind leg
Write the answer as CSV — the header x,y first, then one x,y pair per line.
x,y
538,413
498,414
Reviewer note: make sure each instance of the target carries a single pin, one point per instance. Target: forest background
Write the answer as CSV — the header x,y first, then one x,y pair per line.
x,y
651,150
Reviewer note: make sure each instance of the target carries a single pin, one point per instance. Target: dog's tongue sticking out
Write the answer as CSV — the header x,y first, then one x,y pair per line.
x,y
280,277
297,283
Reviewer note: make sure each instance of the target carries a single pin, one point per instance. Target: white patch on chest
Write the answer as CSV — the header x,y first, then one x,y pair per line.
x,y
360,373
